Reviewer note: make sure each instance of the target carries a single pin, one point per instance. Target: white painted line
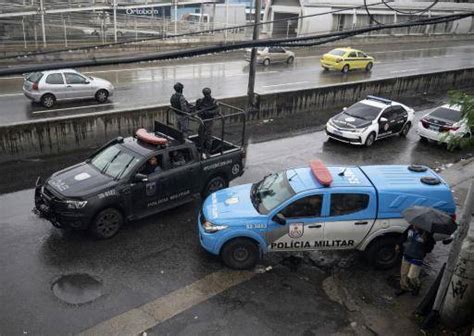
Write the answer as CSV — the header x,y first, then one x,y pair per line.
x,y
74,108
284,84
19,77
137,320
405,70
11,94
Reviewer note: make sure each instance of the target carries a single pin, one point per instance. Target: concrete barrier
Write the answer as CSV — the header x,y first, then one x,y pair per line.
x,y
37,138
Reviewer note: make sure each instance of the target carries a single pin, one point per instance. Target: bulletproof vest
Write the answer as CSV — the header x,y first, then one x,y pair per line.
x,y
175,101
207,103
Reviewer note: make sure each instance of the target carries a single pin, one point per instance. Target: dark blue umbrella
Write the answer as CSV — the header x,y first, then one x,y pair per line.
x,y
430,219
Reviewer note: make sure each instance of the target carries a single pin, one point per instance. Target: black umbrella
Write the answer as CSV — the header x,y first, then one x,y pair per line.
x,y
430,219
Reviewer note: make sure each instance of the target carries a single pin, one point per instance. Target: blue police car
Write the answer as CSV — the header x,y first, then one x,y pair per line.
x,y
319,208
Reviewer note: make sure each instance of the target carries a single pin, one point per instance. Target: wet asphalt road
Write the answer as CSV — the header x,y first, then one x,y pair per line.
x,y
154,257
144,85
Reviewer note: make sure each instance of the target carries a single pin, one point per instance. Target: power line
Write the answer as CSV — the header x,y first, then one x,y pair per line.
x,y
310,40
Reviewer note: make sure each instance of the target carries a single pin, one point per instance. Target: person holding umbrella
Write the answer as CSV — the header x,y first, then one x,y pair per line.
x,y
417,241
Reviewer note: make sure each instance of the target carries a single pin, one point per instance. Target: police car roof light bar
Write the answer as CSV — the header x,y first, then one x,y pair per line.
x,y
382,100
321,172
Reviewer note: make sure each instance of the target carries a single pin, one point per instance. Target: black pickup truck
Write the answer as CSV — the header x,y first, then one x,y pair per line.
x,y
114,185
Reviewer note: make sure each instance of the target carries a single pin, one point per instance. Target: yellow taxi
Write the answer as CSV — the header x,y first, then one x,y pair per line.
x,y
345,59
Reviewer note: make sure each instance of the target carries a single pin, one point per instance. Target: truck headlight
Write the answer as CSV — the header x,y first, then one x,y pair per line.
x,y
211,228
71,204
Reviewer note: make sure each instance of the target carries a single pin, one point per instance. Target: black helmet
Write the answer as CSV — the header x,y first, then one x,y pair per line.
x,y
178,87
206,91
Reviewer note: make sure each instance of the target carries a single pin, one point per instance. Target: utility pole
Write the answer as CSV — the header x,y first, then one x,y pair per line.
x,y
460,234
253,57
43,29
115,20
226,19
175,18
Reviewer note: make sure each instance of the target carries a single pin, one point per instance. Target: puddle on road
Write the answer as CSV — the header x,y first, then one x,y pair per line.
x,y
77,288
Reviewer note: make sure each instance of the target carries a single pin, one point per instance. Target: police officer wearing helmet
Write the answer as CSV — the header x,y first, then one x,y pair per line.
x,y
180,104
207,108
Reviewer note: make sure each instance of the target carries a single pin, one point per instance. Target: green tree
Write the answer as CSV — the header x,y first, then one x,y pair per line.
x,y
466,102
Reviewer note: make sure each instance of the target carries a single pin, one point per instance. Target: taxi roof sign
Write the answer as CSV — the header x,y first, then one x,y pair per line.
x,y
321,172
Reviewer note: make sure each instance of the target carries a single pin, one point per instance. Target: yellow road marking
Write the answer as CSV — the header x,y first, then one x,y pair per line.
x,y
137,320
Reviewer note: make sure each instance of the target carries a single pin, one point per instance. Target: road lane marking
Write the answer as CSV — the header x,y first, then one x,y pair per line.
x,y
137,320
73,108
284,84
405,70
11,94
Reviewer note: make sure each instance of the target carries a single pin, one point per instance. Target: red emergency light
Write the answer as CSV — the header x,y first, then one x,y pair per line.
x,y
144,136
321,172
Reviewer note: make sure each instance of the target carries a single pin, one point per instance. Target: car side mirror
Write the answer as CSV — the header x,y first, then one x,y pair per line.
x,y
280,219
87,82
383,119
139,177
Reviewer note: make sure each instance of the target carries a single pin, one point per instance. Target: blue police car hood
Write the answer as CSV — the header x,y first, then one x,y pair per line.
x,y
227,204
79,180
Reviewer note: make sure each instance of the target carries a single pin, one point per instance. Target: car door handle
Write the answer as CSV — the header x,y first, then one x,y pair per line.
x,y
315,226
68,85
361,223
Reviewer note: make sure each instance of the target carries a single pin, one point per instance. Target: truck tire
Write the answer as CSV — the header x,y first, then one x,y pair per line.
x,y
214,184
381,253
106,223
240,253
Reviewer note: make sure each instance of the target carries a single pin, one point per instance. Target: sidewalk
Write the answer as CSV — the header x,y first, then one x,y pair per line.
x,y
368,295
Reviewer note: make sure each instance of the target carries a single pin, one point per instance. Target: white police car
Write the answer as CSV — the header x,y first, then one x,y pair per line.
x,y
443,123
370,119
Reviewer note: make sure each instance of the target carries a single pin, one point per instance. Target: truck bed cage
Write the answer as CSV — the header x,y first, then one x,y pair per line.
x,y
224,111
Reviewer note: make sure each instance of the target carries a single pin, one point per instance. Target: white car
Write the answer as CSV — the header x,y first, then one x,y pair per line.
x,y
443,123
47,87
369,120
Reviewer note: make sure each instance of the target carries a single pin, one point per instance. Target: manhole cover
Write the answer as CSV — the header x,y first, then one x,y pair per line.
x,y
77,288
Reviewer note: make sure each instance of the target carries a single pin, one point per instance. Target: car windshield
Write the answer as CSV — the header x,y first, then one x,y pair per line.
x,y
337,52
363,111
34,77
446,114
115,161
271,192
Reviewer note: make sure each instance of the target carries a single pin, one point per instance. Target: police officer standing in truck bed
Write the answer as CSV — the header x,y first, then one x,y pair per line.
x,y
180,104
207,108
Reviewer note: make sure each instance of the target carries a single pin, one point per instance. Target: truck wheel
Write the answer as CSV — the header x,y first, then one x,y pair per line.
x,y
381,253
214,184
240,253
106,223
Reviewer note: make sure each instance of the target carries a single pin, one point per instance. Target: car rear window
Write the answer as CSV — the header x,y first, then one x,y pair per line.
x,y
337,52
34,77
447,114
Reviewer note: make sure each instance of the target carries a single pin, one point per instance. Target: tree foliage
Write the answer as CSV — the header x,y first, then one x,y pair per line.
x,y
466,101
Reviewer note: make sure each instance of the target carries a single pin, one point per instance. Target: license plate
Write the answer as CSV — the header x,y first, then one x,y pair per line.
x,y
434,128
